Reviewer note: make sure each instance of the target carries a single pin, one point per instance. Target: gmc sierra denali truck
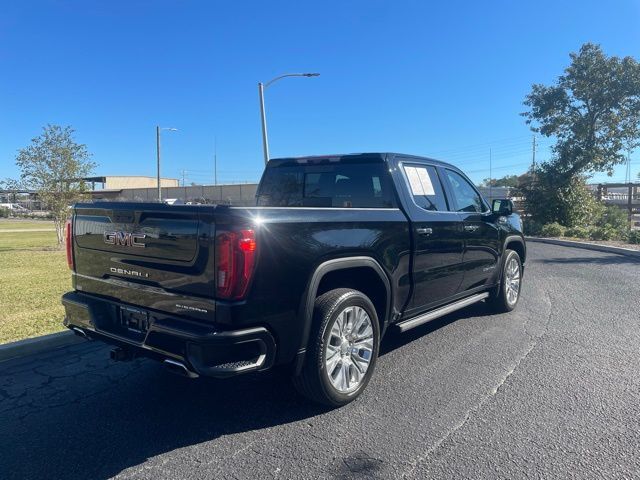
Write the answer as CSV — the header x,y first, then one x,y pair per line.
x,y
337,251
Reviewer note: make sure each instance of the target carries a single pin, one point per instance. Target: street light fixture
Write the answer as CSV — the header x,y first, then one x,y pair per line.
x,y
261,89
158,129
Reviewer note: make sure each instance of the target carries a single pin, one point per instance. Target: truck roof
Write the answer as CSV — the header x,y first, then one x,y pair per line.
x,y
354,158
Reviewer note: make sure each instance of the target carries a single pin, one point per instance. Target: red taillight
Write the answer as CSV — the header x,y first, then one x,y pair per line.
x,y
68,239
235,260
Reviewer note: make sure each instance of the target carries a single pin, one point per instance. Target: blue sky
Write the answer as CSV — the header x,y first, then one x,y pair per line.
x,y
445,79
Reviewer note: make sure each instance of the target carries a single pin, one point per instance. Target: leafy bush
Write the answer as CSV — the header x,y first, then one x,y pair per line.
x,y
578,232
553,230
634,237
604,233
530,226
554,198
615,220
4,212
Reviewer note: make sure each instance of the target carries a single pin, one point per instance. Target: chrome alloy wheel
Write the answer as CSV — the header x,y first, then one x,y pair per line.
x,y
512,281
349,349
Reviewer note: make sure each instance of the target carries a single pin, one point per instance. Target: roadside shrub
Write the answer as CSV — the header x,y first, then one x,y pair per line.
x,y
4,212
554,198
603,233
578,232
531,227
634,237
553,229
614,221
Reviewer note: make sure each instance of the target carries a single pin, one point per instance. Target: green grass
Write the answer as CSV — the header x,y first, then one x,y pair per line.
x,y
34,275
25,224
16,241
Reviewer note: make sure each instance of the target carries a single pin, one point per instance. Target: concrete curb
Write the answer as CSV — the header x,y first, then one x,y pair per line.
x,y
628,252
31,346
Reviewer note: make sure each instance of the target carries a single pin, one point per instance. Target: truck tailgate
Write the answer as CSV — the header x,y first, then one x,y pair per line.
x,y
150,255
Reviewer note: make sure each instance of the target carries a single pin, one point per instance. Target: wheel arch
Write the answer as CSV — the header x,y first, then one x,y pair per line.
x,y
516,243
327,276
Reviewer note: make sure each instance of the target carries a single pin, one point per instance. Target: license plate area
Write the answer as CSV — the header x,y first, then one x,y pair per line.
x,y
133,323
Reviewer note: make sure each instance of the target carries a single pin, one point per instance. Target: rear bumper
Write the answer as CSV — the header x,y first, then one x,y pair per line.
x,y
202,349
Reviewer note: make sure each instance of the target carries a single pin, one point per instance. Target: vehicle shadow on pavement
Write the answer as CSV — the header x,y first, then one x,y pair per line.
x,y
94,419
74,414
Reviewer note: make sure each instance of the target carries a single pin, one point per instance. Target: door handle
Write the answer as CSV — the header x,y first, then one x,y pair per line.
x,y
424,231
471,228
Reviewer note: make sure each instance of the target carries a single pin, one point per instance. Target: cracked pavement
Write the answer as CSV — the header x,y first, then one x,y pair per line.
x,y
551,390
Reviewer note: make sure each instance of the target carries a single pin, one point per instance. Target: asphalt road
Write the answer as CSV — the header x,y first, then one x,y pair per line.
x,y
551,390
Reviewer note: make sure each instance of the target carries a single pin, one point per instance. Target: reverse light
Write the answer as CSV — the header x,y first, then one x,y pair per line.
x,y
68,242
235,261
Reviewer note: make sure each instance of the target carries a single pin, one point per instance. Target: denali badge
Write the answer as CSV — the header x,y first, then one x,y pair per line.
x,y
126,239
124,271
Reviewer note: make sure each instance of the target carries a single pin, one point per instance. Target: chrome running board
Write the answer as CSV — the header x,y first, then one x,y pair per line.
x,y
440,312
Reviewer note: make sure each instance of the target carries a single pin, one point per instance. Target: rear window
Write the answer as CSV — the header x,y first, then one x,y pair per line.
x,y
425,187
362,185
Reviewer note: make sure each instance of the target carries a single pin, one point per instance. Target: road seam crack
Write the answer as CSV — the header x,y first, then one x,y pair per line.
x,y
534,341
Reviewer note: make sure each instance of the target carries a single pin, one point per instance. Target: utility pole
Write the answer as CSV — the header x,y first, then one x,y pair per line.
x,y
627,176
490,176
533,155
215,160
630,190
183,174
158,129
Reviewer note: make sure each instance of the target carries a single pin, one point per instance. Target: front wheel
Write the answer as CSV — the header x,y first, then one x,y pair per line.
x,y
342,350
507,295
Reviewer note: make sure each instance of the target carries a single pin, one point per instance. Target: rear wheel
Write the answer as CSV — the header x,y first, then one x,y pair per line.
x,y
507,295
342,350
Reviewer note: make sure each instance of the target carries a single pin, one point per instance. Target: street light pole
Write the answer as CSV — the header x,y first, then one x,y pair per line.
x,y
158,128
158,158
263,116
261,88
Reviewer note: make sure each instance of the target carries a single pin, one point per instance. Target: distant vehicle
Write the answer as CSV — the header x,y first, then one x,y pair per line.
x,y
338,250
14,207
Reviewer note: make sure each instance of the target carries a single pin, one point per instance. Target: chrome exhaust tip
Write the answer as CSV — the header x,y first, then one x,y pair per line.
x,y
81,333
179,368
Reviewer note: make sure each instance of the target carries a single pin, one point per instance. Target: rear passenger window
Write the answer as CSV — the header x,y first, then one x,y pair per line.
x,y
425,187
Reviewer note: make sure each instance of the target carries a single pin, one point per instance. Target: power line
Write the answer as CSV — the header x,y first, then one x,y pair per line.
x,y
516,150
482,145
467,151
498,168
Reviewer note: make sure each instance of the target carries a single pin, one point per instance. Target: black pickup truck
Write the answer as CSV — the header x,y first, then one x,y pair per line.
x,y
337,250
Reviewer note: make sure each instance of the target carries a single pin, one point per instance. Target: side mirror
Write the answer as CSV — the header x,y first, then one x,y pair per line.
x,y
502,207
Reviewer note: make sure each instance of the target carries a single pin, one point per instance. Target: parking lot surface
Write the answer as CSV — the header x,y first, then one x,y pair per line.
x,y
551,390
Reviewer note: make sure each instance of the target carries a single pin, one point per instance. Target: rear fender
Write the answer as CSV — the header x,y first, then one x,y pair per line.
x,y
306,307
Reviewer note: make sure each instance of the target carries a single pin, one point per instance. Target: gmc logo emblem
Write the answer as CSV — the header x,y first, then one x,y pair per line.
x,y
124,239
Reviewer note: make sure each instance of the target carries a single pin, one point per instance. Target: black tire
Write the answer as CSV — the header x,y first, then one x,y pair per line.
x,y
313,382
499,301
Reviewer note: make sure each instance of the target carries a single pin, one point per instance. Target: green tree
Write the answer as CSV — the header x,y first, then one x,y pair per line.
x,y
53,165
593,111
506,181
